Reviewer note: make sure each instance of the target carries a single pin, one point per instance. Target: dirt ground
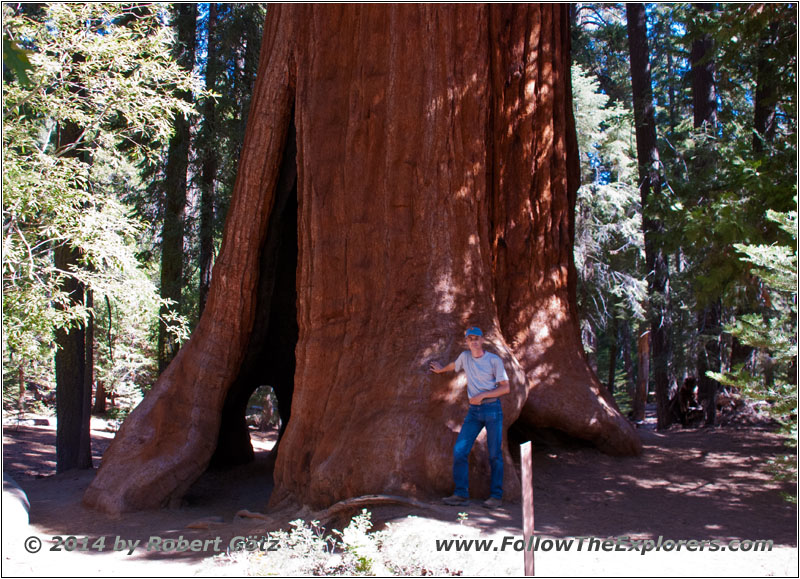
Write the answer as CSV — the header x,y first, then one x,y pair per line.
x,y
692,484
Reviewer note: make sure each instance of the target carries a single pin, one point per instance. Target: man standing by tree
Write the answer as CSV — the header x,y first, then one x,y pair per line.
x,y
486,382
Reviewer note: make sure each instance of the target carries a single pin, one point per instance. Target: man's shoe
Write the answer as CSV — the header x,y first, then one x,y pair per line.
x,y
455,501
492,503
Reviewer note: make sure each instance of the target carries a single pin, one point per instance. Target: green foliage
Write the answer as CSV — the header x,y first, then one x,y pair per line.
x,y
722,185
600,47
238,42
777,265
745,34
262,409
605,132
718,180
773,331
609,245
16,60
105,69
772,377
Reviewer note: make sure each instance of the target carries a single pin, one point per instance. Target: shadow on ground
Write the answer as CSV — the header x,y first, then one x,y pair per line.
x,y
688,484
207,511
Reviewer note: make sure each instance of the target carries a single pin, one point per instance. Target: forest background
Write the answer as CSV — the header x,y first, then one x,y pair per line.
x,y
123,124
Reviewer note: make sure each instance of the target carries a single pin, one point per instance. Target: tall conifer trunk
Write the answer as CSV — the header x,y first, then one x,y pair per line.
x,y
766,99
709,316
175,187
74,360
650,188
209,164
436,170
73,366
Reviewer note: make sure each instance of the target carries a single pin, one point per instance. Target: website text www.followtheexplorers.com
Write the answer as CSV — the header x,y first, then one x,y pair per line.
x,y
595,544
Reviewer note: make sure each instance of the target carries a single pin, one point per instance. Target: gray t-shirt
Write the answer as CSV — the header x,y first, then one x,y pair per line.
x,y
482,373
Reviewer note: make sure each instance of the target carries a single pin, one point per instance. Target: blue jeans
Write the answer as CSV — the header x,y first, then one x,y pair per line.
x,y
489,415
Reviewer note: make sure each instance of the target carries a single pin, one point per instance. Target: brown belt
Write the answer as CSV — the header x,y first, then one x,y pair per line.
x,y
485,401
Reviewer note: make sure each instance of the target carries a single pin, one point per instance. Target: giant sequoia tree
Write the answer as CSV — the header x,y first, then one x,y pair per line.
x,y
407,170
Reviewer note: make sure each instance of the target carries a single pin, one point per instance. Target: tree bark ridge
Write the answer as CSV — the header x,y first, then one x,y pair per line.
x,y
402,204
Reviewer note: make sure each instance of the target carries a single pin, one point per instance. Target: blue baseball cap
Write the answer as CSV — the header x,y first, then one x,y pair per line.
x,y
473,331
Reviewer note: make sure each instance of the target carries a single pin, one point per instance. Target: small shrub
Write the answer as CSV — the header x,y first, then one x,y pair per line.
x,y
307,550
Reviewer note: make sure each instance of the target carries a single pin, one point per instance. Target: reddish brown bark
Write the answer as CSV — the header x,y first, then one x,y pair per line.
x,y
535,180
436,176
168,440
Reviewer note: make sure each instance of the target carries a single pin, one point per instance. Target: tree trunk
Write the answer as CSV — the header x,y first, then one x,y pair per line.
x,y
21,399
73,377
175,184
613,350
708,358
209,165
650,188
766,97
643,375
627,359
100,399
101,396
704,94
245,65
74,362
436,172
673,105
709,325
88,384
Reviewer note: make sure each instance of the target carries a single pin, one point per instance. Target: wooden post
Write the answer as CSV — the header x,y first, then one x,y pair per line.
x,y
526,462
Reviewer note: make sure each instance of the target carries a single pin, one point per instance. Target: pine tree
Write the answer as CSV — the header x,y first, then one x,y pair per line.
x,y
652,206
